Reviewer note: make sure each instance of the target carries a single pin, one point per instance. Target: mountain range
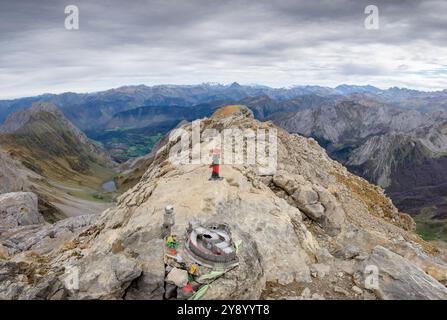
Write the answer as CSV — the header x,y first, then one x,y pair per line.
x,y
395,138
81,108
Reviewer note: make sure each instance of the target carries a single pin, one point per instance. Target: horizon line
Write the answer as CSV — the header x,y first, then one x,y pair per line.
x,y
217,84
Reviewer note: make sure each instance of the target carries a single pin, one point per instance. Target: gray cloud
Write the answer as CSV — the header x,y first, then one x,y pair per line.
x,y
278,43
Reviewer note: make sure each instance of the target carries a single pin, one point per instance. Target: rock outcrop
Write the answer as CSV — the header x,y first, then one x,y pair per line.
x,y
398,149
13,176
307,230
399,278
18,209
43,237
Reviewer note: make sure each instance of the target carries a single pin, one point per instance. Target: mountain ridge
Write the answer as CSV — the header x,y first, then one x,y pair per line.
x,y
347,118
307,231
125,97
54,159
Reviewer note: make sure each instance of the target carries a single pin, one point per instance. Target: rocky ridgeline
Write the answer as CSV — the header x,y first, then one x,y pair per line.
x,y
17,120
24,235
311,230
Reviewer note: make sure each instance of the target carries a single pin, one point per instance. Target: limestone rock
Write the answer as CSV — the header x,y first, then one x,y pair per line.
x,y
357,290
400,279
43,238
350,251
150,284
305,195
13,176
177,277
320,270
19,209
170,291
315,211
306,293
106,277
315,201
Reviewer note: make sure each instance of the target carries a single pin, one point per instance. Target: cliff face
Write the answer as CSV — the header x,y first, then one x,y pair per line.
x,y
13,176
349,120
310,229
399,149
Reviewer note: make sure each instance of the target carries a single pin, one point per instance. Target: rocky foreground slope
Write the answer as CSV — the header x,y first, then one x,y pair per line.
x,y
309,230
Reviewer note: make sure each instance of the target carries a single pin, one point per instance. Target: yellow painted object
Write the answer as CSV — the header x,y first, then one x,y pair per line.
x,y
170,239
193,269
171,242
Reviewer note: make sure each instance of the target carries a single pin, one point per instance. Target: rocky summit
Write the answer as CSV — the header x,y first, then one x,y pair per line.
x,y
307,230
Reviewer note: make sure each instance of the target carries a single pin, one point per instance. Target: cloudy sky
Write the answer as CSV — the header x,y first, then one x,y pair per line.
x,y
276,43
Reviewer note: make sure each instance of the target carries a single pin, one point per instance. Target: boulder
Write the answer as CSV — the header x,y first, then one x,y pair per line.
x,y
334,215
285,182
398,278
314,211
170,291
320,270
19,209
178,277
43,238
106,277
316,202
305,195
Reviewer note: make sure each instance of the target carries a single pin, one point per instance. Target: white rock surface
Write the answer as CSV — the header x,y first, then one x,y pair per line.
x,y
177,276
401,279
19,209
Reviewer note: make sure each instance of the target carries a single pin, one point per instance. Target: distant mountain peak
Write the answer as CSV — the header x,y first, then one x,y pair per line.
x,y
347,89
45,118
18,119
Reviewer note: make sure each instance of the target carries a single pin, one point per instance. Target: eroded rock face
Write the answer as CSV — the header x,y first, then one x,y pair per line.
x,y
24,251
401,279
315,201
43,238
19,209
256,216
13,177
307,231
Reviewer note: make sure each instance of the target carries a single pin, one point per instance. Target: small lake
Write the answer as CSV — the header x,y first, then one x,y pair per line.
x,y
109,186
